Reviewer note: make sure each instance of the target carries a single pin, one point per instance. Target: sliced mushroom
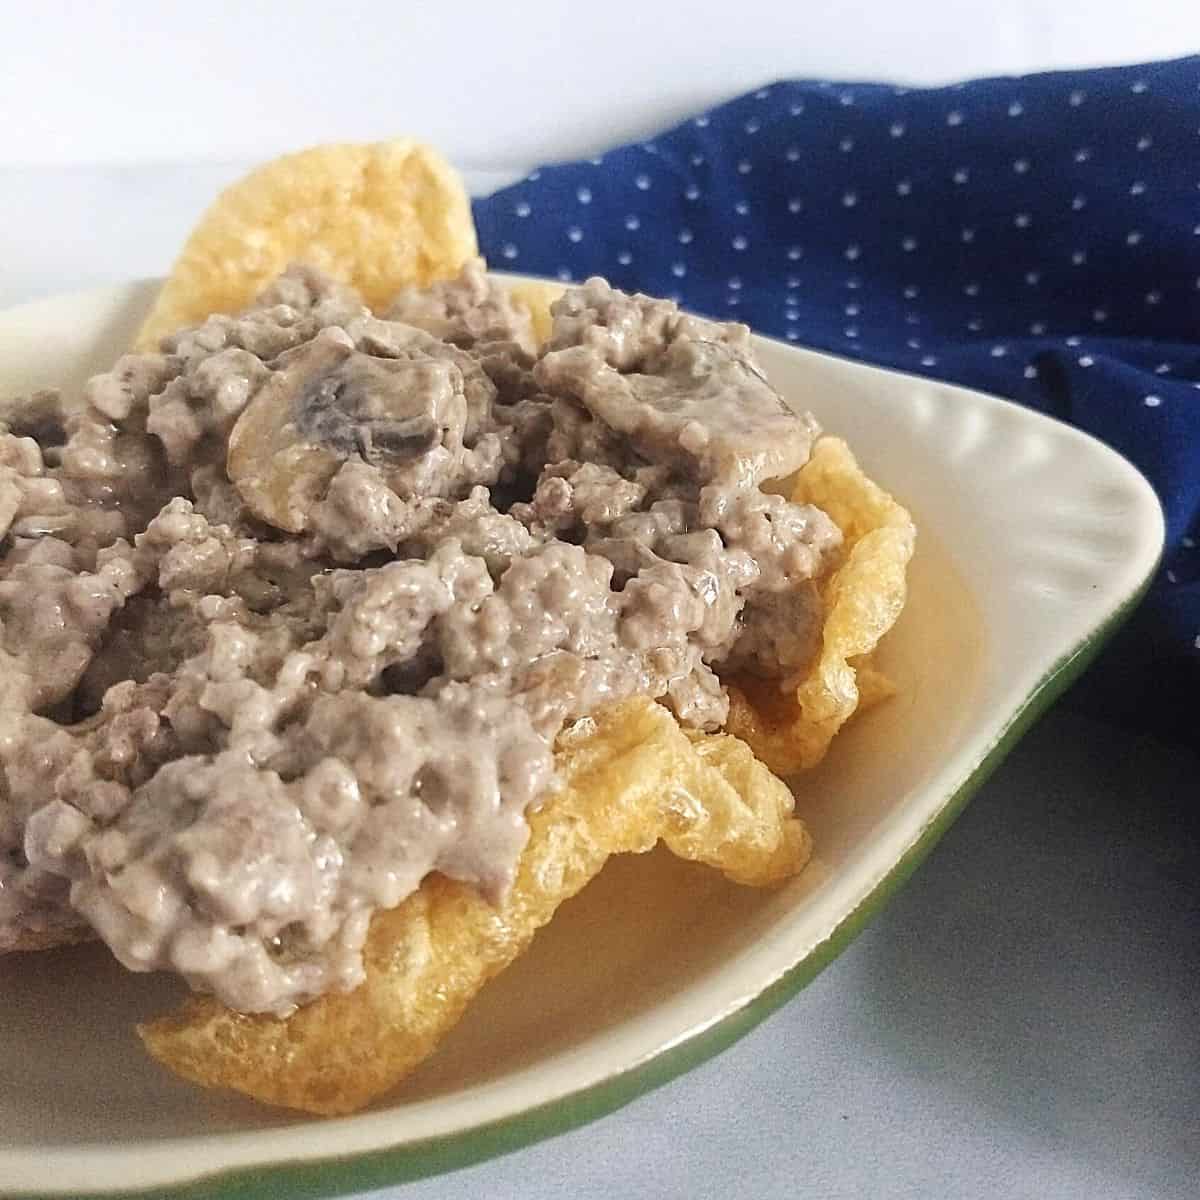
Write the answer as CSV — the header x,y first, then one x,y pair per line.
x,y
329,403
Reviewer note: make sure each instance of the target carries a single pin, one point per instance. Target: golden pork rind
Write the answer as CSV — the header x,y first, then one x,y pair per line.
x,y
630,777
380,216
863,599
536,295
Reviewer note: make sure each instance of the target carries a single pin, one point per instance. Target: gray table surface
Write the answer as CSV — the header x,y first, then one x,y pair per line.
x,y
1022,1021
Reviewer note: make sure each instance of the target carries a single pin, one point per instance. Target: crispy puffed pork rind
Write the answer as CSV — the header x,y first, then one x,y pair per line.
x,y
791,731
537,295
380,216
630,778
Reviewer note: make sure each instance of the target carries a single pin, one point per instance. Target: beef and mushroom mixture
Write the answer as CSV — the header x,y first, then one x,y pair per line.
x,y
293,611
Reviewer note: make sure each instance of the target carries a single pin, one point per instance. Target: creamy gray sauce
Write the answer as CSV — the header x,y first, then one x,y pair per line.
x,y
292,612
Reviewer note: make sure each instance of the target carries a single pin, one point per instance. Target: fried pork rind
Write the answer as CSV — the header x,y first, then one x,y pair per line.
x,y
792,731
380,216
629,778
537,295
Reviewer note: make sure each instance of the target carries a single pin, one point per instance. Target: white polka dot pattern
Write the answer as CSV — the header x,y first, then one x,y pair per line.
x,y
1035,237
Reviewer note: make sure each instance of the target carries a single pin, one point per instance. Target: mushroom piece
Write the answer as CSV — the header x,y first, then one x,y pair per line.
x,y
329,403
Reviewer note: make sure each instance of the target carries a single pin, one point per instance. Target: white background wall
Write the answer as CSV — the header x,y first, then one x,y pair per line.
x,y
495,85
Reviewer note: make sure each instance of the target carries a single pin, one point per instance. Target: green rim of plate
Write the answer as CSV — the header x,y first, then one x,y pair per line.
x,y
319,1179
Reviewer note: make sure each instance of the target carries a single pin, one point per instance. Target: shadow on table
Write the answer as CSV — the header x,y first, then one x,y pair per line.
x,y
1050,966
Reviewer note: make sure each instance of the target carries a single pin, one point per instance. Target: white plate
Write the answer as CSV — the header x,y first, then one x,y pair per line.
x,y
1034,541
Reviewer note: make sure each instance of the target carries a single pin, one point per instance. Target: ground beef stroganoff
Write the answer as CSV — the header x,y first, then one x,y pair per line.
x,y
294,609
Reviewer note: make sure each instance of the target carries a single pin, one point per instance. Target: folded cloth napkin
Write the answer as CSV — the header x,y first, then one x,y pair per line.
x,y
1035,237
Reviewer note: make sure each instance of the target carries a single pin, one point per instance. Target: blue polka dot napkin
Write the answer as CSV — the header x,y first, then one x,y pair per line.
x,y
1036,237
